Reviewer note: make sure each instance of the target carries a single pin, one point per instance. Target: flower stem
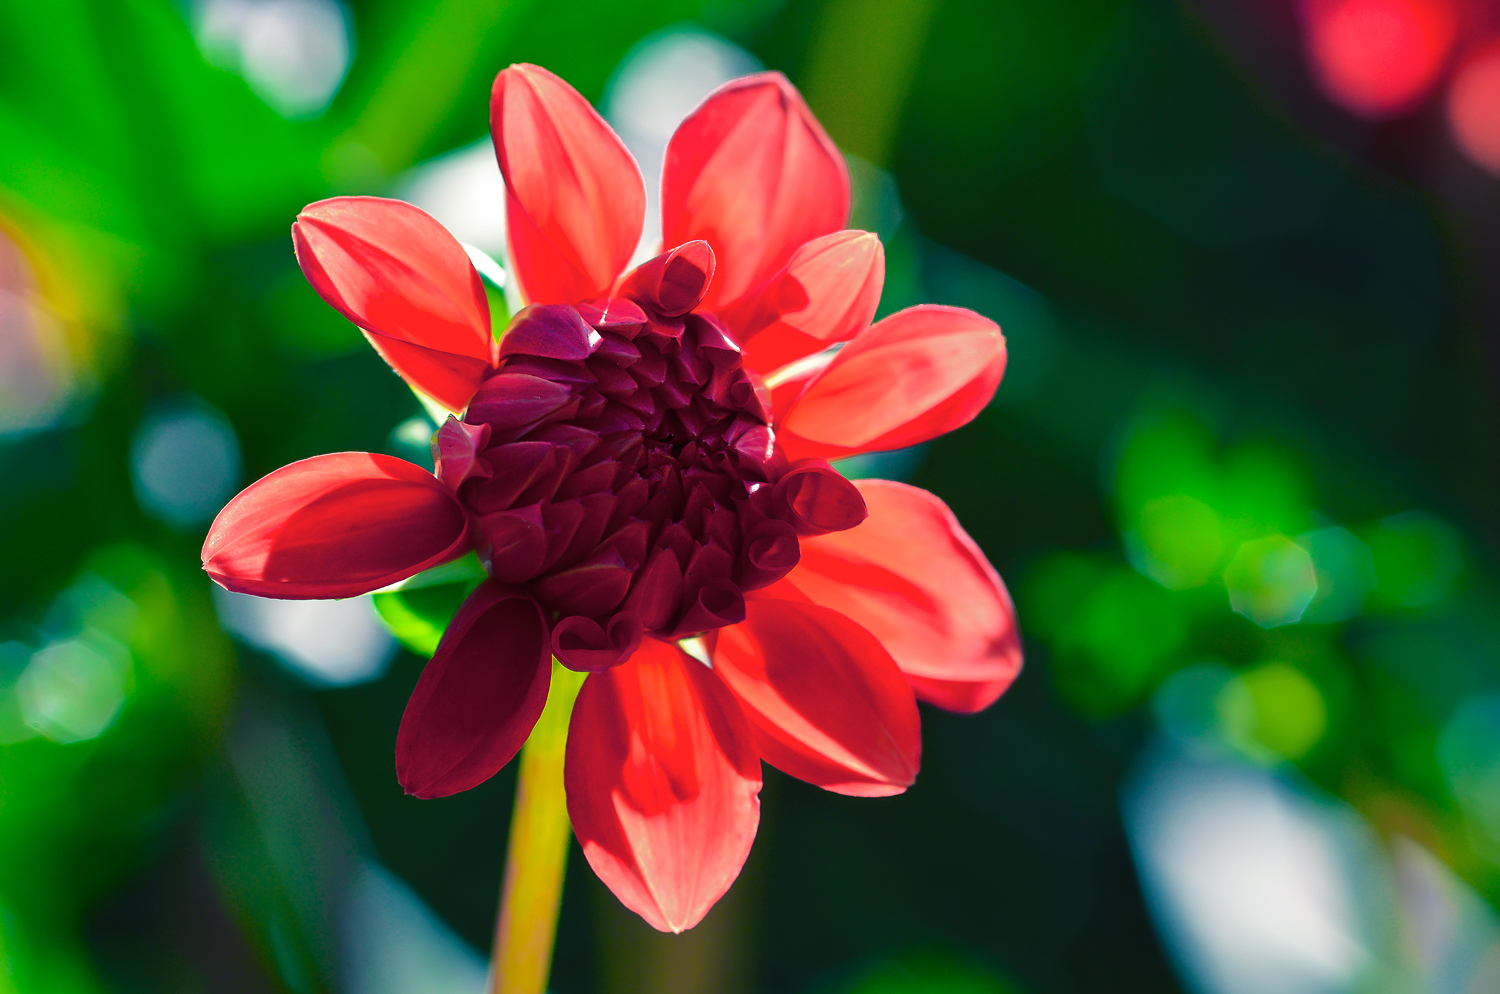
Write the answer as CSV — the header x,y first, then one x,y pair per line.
x,y
538,852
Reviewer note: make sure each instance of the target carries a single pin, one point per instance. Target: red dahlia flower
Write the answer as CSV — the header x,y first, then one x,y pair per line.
x,y
641,461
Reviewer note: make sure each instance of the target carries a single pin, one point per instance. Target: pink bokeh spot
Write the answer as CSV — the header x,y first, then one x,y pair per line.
x,y
1377,58
1474,107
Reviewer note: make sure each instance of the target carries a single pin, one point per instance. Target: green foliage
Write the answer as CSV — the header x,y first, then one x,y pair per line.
x,y
1469,751
1290,714
418,617
1271,581
1186,507
1418,560
1114,633
1179,541
121,694
419,610
499,311
929,974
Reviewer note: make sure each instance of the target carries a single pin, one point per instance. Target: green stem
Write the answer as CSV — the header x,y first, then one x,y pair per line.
x,y
538,852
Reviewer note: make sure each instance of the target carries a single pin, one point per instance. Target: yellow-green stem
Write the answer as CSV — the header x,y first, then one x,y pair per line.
x,y
538,852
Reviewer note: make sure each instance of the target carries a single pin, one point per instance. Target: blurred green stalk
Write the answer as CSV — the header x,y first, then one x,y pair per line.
x,y
860,68
537,857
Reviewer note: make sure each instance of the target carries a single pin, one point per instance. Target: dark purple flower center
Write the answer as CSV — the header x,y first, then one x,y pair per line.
x,y
621,464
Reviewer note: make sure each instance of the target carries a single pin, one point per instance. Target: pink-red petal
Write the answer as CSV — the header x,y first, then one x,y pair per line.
x,y
407,283
815,498
663,784
791,380
916,375
827,702
827,293
914,578
752,172
674,282
479,697
583,644
334,526
575,202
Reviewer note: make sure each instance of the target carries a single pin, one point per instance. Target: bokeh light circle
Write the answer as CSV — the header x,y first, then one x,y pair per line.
x,y
1474,107
1376,58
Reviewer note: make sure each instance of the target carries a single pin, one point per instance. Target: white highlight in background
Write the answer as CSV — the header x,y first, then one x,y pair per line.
x,y
73,690
1450,931
658,84
327,643
1255,887
293,53
394,944
464,191
184,465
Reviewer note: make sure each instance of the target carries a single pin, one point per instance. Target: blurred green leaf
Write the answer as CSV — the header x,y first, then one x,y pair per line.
x,y
1186,508
1290,713
1178,541
1271,581
930,974
499,311
1418,560
1262,489
1164,455
422,80
419,615
1113,632
84,799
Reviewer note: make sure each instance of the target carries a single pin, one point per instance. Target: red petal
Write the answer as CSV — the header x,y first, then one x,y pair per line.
x,y
752,173
479,696
334,526
793,379
912,576
551,331
663,784
398,274
583,644
827,293
674,282
769,552
575,202
828,704
916,375
814,498
455,452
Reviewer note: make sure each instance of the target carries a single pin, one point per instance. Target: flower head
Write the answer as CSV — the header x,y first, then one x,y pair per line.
x,y
642,460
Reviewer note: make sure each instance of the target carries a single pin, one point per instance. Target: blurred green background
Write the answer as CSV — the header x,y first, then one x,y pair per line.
x,y
1242,477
